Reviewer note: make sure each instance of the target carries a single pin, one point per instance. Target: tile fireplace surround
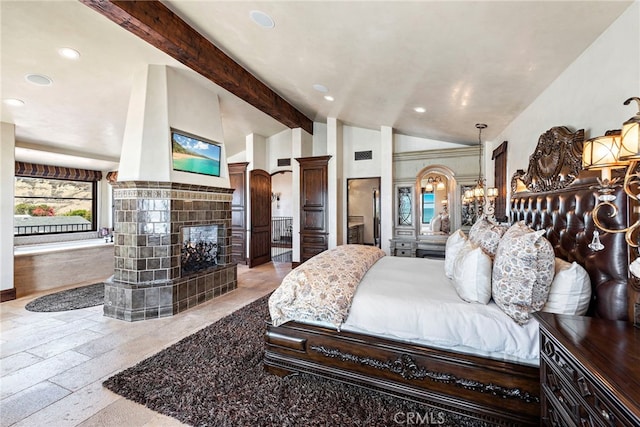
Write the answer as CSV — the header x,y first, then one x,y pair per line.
x,y
148,281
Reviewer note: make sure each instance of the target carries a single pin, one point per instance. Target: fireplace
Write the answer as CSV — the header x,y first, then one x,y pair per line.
x,y
172,249
200,249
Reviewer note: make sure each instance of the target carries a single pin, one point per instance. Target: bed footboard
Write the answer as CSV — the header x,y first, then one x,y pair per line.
x,y
476,388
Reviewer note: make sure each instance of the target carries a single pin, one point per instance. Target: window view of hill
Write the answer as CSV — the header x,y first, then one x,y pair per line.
x,y
45,205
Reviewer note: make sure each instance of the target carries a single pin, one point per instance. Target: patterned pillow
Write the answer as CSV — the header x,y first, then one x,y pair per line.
x,y
518,228
522,273
487,235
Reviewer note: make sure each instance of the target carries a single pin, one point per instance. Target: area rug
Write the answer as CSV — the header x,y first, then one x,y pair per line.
x,y
215,377
69,299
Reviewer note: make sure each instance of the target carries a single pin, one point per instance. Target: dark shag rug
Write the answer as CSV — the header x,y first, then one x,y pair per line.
x,y
70,299
215,377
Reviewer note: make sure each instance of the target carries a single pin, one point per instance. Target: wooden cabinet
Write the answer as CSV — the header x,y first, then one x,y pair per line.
x,y
313,206
238,181
589,371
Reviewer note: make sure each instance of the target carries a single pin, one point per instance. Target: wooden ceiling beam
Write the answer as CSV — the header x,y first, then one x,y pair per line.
x,y
154,23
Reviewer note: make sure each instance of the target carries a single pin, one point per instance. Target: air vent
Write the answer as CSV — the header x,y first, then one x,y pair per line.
x,y
284,162
363,155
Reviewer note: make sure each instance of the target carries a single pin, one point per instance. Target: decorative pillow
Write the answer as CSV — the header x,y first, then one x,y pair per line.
x,y
570,291
487,235
436,223
455,242
472,274
522,273
518,228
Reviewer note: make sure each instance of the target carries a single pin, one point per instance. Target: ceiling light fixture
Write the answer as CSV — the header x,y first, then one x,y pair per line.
x,y
321,88
420,110
475,198
67,52
329,98
262,19
39,79
14,102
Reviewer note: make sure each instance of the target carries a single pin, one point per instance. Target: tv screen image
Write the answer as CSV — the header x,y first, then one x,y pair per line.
x,y
195,155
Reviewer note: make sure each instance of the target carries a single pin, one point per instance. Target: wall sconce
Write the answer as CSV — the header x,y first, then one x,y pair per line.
x,y
617,149
429,186
275,197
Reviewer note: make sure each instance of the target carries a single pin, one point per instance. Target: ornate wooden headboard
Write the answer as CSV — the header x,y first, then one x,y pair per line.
x,y
563,208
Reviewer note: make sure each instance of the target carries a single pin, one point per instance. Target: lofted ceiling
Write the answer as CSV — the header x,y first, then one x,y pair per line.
x,y
464,62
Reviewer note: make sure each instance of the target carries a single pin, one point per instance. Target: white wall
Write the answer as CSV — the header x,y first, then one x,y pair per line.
x,y
163,98
7,173
196,110
281,183
587,95
319,139
360,139
406,143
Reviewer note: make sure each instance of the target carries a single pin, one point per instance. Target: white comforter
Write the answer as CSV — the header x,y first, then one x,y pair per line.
x,y
412,300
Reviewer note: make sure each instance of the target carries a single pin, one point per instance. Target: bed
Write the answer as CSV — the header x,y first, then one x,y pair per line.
x,y
479,388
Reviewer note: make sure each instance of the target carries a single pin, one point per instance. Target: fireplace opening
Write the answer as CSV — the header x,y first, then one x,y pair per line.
x,y
200,249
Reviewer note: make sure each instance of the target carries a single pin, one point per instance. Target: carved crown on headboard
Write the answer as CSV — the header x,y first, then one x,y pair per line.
x,y
554,164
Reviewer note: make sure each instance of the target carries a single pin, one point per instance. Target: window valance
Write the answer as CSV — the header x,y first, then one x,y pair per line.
x,y
46,171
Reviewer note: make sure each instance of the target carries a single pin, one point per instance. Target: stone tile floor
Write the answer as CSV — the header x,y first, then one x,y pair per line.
x,y
52,364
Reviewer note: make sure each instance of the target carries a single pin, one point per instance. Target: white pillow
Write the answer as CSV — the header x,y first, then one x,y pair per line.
x,y
455,242
570,291
436,223
472,274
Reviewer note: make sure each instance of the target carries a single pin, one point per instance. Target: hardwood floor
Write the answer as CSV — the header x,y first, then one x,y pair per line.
x,y
52,364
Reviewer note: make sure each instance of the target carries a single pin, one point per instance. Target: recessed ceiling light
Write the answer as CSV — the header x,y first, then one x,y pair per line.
x,y
67,52
262,19
329,98
39,79
14,102
420,109
320,88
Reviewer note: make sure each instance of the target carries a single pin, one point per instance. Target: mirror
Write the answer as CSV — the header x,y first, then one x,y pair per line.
x,y
437,204
363,211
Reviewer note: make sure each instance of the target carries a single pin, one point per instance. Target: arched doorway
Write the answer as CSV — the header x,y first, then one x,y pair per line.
x,y
282,216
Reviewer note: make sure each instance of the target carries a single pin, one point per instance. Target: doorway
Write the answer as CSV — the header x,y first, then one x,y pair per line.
x,y
282,216
363,211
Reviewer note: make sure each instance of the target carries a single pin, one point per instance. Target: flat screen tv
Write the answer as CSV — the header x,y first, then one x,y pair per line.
x,y
194,154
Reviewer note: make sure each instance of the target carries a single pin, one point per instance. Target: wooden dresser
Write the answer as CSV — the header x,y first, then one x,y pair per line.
x,y
589,371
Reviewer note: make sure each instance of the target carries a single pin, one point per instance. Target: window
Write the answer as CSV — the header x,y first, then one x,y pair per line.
x,y
428,207
44,205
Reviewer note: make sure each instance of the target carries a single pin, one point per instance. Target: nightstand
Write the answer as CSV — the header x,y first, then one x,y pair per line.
x,y
403,247
589,371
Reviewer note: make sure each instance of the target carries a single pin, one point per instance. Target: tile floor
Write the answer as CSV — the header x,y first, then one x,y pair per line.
x,y
52,364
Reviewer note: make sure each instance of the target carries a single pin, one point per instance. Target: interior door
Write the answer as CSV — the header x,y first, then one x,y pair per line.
x,y
260,236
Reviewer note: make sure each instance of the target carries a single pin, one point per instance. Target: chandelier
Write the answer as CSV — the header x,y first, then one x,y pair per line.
x,y
477,195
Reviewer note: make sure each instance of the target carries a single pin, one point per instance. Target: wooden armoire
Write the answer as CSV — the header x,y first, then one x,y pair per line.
x,y
314,226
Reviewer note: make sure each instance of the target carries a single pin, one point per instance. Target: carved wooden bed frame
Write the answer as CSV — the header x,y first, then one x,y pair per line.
x,y
479,390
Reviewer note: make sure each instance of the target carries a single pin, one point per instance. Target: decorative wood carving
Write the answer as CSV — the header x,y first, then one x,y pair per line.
x,y
154,23
555,163
407,368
